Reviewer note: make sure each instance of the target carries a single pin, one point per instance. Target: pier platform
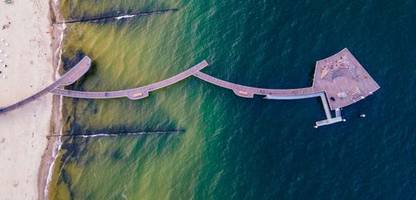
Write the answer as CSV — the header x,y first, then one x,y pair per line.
x,y
344,80
339,80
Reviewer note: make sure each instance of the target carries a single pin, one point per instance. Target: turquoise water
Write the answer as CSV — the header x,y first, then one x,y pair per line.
x,y
235,148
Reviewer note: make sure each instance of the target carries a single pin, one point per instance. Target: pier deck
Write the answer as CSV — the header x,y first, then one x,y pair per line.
x,y
249,92
135,93
339,80
67,79
344,80
82,67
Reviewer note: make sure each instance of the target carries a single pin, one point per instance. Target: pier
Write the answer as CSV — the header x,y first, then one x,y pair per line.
x,y
82,67
339,81
135,93
67,79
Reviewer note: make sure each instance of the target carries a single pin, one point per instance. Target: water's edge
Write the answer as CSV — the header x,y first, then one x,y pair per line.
x,y
54,144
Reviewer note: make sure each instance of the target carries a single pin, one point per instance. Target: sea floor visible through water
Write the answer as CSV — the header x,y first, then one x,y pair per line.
x,y
236,148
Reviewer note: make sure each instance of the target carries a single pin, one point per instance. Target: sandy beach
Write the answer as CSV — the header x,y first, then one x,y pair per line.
x,y
26,66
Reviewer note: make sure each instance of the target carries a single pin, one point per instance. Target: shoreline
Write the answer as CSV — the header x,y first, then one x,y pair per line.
x,y
51,152
27,64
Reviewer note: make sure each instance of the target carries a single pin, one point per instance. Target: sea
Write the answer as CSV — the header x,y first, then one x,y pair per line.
x,y
193,140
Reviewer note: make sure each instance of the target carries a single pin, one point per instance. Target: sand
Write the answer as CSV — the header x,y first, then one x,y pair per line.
x,y
26,67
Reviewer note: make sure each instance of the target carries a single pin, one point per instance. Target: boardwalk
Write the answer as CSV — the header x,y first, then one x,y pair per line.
x,y
249,92
339,81
276,94
82,67
135,93
67,79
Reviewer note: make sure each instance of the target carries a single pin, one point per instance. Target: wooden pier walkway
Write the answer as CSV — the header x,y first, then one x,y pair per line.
x,y
249,92
82,67
135,93
275,94
339,80
67,79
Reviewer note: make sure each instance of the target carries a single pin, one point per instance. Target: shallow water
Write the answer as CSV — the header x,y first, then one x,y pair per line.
x,y
235,148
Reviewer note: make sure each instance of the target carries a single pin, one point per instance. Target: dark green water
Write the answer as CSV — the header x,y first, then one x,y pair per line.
x,y
235,148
